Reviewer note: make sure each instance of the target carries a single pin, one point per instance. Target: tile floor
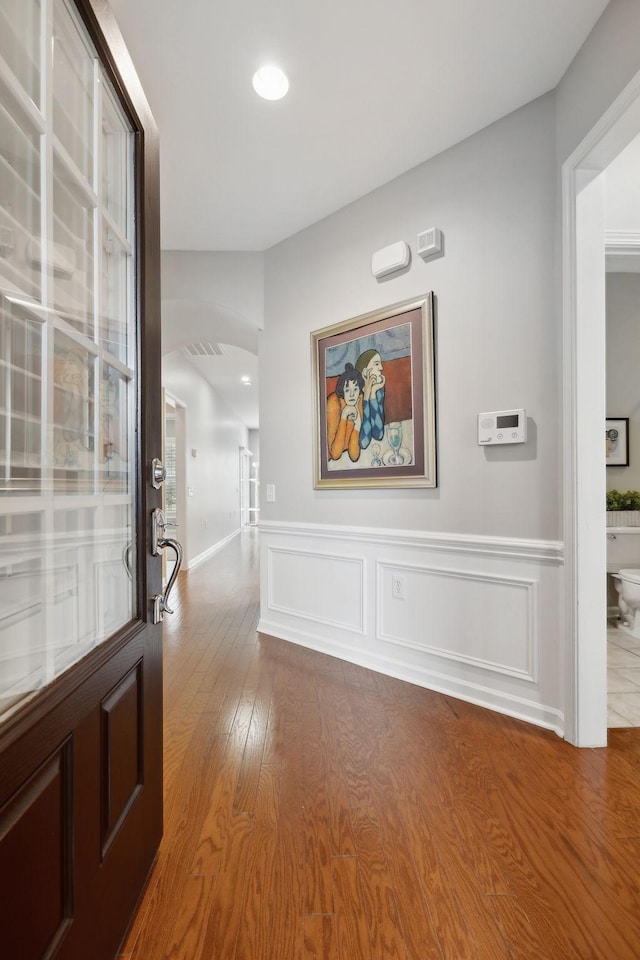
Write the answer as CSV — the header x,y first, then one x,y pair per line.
x,y
623,678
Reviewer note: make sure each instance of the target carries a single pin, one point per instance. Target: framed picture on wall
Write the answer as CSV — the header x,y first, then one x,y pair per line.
x,y
374,399
616,437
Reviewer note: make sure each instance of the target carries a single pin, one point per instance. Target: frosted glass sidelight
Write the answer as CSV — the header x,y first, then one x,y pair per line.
x,y
20,31
20,198
74,66
68,378
71,280
115,142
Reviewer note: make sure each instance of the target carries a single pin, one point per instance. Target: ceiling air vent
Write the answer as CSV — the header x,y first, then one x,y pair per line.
x,y
205,350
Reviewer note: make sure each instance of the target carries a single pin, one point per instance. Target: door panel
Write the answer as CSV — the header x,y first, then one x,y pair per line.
x,y
36,832
122,753
96,794
80,421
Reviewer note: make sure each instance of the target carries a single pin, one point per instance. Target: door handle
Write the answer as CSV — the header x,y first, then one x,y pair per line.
x,y
159,543
127,559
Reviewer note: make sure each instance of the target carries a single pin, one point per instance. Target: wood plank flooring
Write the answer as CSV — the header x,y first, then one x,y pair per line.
x,y
315,809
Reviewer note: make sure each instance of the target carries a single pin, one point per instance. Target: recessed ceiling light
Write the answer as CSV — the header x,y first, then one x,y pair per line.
x,y
246,381
270,82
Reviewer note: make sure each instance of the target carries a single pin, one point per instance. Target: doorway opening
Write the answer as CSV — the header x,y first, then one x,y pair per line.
x,y
174,488
584,416
622,249
245,486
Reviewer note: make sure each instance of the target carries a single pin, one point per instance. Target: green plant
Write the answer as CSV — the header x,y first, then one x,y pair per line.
x,y
623,500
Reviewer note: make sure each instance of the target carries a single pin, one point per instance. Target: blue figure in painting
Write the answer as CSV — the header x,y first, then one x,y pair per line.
x,y
369,364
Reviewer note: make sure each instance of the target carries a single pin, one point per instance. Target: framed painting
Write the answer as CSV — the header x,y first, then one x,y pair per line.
x,y
616,438
374,402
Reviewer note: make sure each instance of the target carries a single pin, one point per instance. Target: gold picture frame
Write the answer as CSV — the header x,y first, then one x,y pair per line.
x,y
374,399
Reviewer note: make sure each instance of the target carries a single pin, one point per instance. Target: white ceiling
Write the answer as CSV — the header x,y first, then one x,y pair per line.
x,y
225,372
376,88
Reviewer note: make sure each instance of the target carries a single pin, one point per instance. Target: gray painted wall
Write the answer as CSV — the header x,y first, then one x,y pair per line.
x,y
498,339
213,511
498,324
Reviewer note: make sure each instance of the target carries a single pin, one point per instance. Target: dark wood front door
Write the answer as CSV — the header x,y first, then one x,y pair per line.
x,y
80,422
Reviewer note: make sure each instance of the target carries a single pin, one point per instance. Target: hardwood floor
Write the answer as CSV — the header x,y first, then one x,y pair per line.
x,y
315,809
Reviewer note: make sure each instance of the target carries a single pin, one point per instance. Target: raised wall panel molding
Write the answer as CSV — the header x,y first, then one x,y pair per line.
x,y
477,618
431,609
462,543
307,584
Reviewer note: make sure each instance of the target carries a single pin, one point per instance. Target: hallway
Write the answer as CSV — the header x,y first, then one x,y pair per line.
x,y
315,809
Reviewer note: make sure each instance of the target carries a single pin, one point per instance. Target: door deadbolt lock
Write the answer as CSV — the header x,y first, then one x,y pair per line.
x,y
158,473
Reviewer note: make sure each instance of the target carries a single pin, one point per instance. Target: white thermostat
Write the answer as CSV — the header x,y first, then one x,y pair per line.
x,y
502,426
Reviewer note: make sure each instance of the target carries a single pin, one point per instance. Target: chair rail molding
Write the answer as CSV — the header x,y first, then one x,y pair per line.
x,y
459,542
622,251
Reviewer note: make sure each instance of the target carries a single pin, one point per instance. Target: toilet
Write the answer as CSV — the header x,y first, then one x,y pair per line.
x,y
627,583
623,568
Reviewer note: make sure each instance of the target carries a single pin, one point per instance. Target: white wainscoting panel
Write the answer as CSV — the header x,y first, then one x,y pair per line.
x,y
485,620
321,587
481,618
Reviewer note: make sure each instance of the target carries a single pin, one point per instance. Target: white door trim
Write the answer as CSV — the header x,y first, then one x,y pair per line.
x,y
583,273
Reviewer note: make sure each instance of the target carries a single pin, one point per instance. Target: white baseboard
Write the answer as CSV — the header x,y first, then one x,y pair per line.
x,y
512,706
211,550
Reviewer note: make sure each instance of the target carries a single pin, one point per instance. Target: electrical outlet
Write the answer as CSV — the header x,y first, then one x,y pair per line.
x,y
397,587
271,493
